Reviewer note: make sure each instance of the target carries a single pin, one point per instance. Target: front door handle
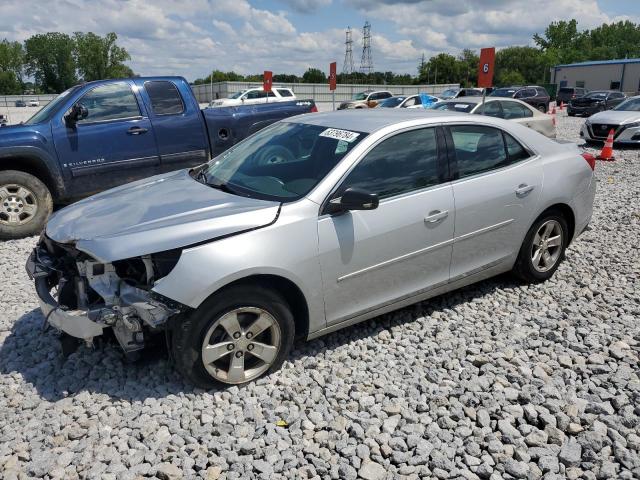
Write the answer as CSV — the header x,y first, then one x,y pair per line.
x,y
524,190
436,215
137,130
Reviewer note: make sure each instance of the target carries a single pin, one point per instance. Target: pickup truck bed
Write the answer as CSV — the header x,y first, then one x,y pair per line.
x,y
102,134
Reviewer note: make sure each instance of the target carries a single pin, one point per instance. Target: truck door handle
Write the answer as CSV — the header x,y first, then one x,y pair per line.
x,y
137,130
436,215
523,190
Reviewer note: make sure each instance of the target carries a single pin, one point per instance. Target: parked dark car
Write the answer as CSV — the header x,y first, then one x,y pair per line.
x,y
566,94
106,133
534,95
594,102
3,120
21,103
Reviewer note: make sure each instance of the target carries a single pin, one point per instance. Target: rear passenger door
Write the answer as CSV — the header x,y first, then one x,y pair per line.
x,y
178,126
497,184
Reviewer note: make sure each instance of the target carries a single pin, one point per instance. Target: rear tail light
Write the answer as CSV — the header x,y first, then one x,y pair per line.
x,y
591,160
314,109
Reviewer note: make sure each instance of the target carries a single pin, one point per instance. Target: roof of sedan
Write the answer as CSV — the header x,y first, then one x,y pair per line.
x,y
369,120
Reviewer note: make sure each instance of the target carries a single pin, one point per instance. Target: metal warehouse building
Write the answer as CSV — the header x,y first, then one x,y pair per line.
x,y
623,75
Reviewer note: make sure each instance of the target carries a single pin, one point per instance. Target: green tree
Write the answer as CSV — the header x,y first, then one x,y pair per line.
x,y
468,62
314,75
442,68
220,76
527,62
100,57
49,59
11,66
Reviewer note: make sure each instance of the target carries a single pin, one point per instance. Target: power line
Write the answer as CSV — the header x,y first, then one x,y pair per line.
x,y
347,67
366,64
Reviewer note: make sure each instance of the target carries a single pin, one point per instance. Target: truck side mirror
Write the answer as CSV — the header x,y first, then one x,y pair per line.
x,y
78,112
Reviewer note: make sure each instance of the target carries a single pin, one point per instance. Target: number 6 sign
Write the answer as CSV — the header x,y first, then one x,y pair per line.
x,y
485,69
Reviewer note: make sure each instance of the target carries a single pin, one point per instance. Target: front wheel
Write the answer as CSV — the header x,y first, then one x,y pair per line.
x,y
543,248
25,204
234,337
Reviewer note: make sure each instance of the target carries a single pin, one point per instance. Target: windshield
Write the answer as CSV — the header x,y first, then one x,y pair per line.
x,y
629,105
598,95
282,162
43,114
455,106
503,92
360,96
449,93
392,102
237,94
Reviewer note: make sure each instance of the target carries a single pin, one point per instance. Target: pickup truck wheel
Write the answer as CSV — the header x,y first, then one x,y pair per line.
x,y
234,337
25,204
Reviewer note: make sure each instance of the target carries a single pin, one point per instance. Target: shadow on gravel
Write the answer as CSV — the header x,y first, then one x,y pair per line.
x,y
36,355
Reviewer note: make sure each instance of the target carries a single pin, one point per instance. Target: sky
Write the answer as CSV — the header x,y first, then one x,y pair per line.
x,y
192,37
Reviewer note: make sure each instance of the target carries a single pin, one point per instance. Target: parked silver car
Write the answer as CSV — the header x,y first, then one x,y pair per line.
x,y
310,225
624,120
507,108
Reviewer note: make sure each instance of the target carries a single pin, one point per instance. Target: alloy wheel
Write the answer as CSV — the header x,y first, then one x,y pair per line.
x,y
241,345
18,205
547,246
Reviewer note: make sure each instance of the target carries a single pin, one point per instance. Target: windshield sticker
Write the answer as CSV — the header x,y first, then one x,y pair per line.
x,y
341,147
338,134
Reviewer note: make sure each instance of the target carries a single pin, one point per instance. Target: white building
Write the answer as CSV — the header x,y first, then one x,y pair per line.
x,y
623,75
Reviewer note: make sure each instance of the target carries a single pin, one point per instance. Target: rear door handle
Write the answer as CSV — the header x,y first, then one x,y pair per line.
x,y
524,190
137,130
436,215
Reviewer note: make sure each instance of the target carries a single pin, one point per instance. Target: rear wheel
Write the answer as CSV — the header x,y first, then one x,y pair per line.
x,y
543,248
25,204
234,337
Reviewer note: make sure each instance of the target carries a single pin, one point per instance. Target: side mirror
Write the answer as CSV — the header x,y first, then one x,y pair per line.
x,y
354,199
78,112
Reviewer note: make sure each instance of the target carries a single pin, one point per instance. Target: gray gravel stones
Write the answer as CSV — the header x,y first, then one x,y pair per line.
x,y
496,381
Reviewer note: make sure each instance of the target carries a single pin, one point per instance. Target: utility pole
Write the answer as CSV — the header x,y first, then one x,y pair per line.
x,y
347,66
366,62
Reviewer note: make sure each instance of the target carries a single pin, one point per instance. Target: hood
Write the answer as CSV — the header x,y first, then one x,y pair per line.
x,y
586,101
615,117
156,214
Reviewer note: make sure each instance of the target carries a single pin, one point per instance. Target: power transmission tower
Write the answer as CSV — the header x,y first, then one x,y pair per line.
x,y
366,64
347,67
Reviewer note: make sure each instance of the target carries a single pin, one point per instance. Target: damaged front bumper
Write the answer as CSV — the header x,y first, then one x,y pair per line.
x,y
89,297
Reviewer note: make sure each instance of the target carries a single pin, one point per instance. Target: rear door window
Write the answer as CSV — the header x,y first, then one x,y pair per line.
x,y
284,92
165,98
478,149
490,109
513,110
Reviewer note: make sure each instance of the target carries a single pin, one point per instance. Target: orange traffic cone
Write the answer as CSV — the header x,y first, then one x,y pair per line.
x,y
606,154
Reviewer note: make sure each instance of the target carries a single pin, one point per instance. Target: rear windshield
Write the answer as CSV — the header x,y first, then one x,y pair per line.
x,y
596,95
566,90
282,162
504,92
464,107
392,102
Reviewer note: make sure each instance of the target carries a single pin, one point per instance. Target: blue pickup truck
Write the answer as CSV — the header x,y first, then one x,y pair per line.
x,y
102,134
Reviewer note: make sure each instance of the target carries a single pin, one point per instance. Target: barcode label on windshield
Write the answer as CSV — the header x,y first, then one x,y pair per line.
x,y
338,134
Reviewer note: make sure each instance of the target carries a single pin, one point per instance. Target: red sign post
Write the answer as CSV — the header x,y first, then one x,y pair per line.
x,y
267,81
333,80
485,69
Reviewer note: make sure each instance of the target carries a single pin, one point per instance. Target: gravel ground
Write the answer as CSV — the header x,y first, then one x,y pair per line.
x,y
498,380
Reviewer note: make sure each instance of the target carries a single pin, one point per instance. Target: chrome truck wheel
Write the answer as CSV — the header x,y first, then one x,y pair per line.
x,y
25,204
18,205
547,246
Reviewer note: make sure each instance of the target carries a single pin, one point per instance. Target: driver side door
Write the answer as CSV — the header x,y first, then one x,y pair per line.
x,y
113,145
372,258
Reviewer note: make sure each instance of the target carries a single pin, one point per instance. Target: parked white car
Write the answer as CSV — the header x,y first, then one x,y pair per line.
x,y
507,108
255,95
33,103
411,101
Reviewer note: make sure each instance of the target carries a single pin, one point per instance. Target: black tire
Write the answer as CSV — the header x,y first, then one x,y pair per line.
x,y
188,331
41,201
524,268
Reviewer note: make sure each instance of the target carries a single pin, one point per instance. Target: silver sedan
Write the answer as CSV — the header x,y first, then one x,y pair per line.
x,y
312,224
624,120
507,108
